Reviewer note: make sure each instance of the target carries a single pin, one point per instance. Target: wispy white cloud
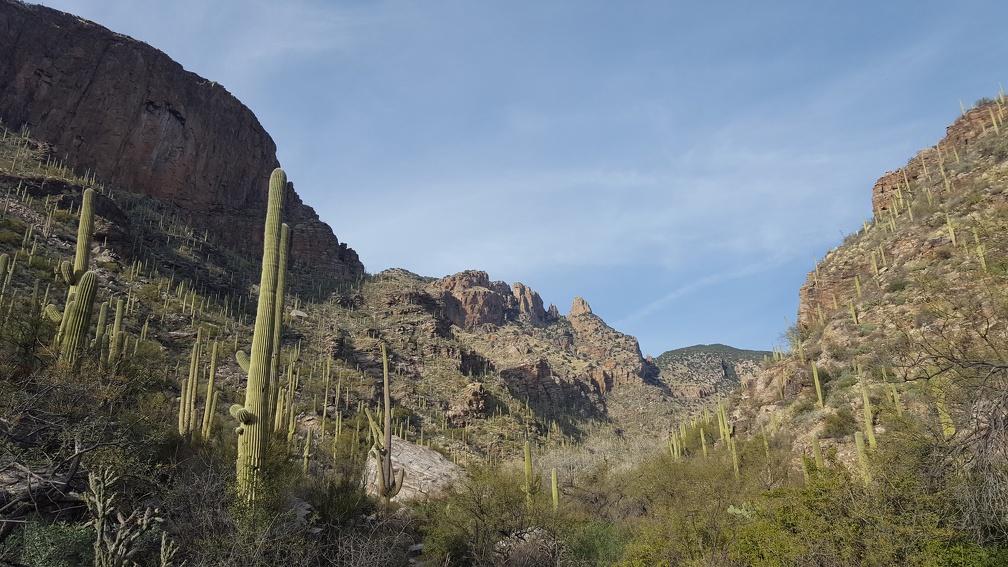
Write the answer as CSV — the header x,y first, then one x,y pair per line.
x,y
691,286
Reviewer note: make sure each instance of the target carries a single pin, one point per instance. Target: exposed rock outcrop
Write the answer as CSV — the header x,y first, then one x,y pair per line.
x,y
579,307
928,162
530,305
427,472
127,113
470,403
471,300
616,358
696,372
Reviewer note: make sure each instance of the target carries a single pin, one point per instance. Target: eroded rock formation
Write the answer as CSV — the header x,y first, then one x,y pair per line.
x,y
471,300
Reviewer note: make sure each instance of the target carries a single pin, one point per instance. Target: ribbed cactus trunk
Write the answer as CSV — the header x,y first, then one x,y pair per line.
x,y
84,230
254,416
278,319
118,337
389,483
528,474
78,317
388,487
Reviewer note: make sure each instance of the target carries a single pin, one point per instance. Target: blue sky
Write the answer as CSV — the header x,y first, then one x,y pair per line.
x,y
678,165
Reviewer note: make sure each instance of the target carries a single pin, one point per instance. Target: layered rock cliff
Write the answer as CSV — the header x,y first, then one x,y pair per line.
x,y
565,363
137,120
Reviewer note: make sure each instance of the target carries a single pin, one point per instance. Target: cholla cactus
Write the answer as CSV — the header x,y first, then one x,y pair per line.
x,y
116,535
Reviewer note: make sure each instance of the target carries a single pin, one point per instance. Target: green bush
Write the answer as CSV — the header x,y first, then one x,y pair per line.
x,y
898,284
597,542
488,521
57,545
839,424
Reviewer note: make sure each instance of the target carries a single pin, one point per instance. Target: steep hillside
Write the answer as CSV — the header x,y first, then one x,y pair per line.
x,y
705,370
470,353
123,113
910,312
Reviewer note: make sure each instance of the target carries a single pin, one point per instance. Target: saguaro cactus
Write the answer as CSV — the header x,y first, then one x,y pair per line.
x,y
77,316
73,273
274,376
389,483
84,230
118,337
528,474
254,414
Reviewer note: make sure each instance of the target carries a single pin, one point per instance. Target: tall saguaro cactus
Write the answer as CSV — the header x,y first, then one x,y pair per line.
x,y
389,483
254,414
84,230
80,297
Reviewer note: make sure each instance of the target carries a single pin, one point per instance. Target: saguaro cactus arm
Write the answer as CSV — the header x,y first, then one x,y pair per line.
x,y
78,316
274,375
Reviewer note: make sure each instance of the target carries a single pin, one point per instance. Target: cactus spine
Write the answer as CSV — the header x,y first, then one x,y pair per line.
x,y
254,414
896,400
818,385
817,452
118,336
862,456
556,488
83,256
869,419
211,397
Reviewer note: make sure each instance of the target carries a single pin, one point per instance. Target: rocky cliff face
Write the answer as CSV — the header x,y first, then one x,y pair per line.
x,y
553,361
966,130
137,120
908,309
471,300
615,358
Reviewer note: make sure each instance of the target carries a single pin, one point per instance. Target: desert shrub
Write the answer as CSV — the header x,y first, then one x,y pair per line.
x,y
487,521
55,545
839,423
597,542
904,517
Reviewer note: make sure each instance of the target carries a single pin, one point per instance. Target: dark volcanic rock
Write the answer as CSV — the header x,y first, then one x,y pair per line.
x,y
128,113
